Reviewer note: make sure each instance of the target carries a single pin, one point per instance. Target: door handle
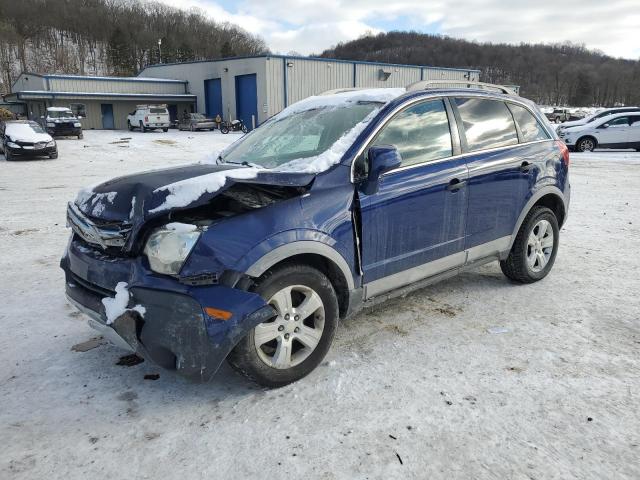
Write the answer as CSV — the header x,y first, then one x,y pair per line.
x,y
526,167
456,184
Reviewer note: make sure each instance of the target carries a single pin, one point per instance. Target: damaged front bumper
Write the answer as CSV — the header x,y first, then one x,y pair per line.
x,y
175,331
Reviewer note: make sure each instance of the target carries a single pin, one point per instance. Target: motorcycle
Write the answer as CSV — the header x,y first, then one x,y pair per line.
x,y
233,126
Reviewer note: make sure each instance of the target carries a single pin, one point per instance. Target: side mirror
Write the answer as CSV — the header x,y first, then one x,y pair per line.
x,y
380,159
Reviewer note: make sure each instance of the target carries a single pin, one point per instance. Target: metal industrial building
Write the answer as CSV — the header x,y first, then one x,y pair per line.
x,y
103,102
256,88
249,88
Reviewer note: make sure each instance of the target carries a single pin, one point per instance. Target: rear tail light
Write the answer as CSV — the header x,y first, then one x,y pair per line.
x,y
146,119
564,151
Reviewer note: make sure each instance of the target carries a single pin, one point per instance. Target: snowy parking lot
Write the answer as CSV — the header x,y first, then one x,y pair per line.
x,y
474,377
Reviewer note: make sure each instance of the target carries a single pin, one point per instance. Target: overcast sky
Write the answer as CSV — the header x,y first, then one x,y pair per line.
x,y
310,26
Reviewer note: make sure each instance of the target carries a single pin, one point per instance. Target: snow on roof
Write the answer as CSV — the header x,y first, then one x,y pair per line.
x,y
382,95
105,94
58,109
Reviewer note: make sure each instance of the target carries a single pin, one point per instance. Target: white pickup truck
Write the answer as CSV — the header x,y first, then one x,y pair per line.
x,y
149,117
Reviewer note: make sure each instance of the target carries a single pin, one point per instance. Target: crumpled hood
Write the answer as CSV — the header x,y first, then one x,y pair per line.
x,y
139,197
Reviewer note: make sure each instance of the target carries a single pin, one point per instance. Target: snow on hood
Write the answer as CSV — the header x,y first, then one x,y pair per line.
x,y
187,191
23,132
94,203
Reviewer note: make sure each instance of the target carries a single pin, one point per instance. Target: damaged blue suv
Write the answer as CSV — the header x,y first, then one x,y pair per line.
x,y
339,202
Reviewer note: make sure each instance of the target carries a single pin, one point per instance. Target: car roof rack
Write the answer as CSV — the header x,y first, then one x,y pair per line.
x,y
427,84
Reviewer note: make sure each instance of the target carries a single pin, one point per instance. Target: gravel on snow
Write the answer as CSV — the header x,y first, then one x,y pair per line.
x,y
471,378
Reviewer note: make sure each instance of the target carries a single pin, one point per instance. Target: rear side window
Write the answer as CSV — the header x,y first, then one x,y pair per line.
x,y
529,127
157,110
487,123
420,133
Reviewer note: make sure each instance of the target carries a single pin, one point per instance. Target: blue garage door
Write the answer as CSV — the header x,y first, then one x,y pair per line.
x,y
247,99
213,98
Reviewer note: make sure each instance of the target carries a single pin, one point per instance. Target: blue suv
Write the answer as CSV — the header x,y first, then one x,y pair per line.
x,y
339,202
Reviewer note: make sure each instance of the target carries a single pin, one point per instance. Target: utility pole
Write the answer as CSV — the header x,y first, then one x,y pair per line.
x,y
160,49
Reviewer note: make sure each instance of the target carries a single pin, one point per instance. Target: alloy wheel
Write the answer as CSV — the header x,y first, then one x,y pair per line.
x,y
289,338
539,246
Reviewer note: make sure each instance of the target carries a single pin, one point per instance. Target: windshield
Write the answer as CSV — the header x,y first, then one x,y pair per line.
x,y
300,136
157,110
197,116
23,130
60,113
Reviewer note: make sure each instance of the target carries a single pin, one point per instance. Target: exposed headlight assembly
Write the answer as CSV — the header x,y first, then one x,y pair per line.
x,y
168,247
13,145
77,124
52,143
51,124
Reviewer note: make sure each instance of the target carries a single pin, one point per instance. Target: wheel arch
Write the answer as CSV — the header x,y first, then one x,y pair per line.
x,y
317,255
550,197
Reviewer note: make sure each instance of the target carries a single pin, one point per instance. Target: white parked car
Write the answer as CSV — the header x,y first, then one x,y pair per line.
x,y
620,130
596,116
149,117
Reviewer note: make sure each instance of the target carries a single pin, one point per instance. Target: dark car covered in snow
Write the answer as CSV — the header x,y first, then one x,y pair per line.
x,y
337,203
25,139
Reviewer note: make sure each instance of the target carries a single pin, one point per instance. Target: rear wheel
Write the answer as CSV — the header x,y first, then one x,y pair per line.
x,y
535,247
586,144
244,129
289,346
224,129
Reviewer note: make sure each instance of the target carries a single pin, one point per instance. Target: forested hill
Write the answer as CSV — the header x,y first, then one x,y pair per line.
x,y
108,37
549,74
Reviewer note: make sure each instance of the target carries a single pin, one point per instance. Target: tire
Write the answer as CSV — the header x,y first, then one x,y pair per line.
x,y
224,130
165,130
142,129
129,126
263,363
586,144
529,262
53,156
81,136
7,155
192,128
244,129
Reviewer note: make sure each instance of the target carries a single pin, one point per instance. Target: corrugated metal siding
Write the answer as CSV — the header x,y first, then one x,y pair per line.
x,y
274,85
308,77
113,86
368,76
27,81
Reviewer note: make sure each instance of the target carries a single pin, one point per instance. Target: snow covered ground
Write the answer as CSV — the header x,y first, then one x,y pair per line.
x,y
471,378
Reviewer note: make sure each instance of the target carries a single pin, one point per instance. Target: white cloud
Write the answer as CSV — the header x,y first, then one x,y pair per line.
x,y
310,26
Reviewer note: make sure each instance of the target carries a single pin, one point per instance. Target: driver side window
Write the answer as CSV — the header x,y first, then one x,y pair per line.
x,y
420,133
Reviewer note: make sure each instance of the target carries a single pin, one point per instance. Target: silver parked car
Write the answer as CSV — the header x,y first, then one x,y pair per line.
x,y
196,121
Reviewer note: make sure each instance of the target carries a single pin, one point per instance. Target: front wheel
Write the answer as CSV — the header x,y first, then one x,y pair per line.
x,y
535,247
224,130
165,130
142,129
80,136
586,145
289,346
7,155
53,156
129,126
244,129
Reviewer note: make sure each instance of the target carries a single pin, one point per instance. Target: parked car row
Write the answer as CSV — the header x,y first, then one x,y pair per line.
x,y
617,130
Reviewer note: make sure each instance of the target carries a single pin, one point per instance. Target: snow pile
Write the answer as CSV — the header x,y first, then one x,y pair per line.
x,y
115,307
93,203
186,191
